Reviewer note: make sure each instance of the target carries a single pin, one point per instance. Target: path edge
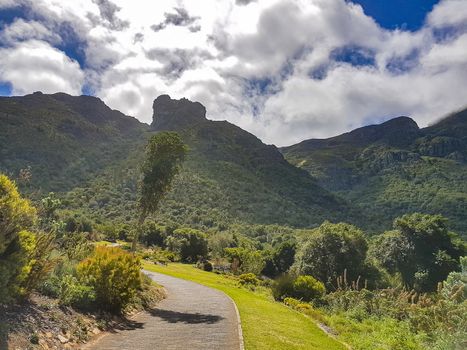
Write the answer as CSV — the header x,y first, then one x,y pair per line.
x,y
239,323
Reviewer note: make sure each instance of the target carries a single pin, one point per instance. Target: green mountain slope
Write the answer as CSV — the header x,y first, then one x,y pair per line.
x,y
89,154
394,168
64,140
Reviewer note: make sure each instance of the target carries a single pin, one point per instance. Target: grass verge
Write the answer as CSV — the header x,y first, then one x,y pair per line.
x,y
266,324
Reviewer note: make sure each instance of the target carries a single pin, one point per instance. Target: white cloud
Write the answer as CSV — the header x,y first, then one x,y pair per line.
x,y
250,62
21,30
36,66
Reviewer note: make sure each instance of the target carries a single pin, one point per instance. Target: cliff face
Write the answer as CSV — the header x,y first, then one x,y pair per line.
x,y
171,114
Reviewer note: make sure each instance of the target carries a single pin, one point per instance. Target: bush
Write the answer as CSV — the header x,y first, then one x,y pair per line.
x,y
76,294
205,266
16,243
243,260
308,288
190,244
113,274
248,279
305,288
283,287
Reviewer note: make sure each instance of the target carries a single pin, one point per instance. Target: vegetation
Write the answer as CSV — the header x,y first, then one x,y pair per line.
x,y
421,249
190,245
394,168
17,244
164,153
113,274
329,250
256,226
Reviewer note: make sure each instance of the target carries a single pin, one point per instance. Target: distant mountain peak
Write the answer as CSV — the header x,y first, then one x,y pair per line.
x,y
175,114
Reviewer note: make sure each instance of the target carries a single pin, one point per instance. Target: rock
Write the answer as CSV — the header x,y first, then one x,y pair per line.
x,y
171,114
62,339
48,334
96,331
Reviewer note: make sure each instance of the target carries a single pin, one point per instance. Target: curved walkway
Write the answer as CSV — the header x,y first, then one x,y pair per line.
x,y
192,317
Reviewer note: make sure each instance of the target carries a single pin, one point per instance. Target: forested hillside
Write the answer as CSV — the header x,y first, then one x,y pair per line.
x,y
394,168
89,155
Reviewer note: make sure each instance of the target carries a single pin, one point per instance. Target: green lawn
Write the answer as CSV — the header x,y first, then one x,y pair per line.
x,y
266,324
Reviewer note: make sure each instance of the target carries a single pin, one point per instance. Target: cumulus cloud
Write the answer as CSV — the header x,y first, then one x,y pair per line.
x,y
285,70
36,66
178,18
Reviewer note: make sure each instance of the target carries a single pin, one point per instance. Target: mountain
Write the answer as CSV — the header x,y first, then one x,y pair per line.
x,y
63,140
233,174
89,154
394,168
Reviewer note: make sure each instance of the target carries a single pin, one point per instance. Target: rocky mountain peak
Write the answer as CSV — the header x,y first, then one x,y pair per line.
x,y
172,114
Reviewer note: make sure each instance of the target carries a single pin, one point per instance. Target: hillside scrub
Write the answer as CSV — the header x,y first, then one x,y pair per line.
x,y
17,244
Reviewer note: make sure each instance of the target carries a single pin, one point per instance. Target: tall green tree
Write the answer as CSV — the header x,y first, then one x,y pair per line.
x,y
165,152
331,249
420,248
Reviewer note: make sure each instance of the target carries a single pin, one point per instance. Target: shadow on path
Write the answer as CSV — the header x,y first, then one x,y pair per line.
x,y
126,325
176,317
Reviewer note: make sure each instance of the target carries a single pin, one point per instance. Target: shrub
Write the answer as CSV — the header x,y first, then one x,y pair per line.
x,y
76,294
205,265
248,279
283,287
113,274
307,288
16,243
190,244
243,260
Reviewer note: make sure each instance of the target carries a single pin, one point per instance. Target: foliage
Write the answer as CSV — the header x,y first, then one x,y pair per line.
x,y
114,276
164,153
415,320
153,234
248,279
190,244
394,168
244,260
280,259
329,250
455,286
16,243
421,249
305,288
205,265
73,292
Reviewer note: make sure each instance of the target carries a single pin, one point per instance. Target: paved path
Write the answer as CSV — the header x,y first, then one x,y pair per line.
x,y
192,317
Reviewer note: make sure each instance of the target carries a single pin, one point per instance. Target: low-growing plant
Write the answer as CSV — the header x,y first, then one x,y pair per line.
x,y
113,274
248,279
305,288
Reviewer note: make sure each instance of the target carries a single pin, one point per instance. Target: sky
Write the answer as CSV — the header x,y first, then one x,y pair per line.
x,y
285,70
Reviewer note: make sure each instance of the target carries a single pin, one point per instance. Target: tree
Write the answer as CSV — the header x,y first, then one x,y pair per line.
x,y
165,152
421,249
280,259
16,242
329,250
244,260
190,244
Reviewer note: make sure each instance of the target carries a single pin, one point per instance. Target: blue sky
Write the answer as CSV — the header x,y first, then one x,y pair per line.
x,y
285,70
392,14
